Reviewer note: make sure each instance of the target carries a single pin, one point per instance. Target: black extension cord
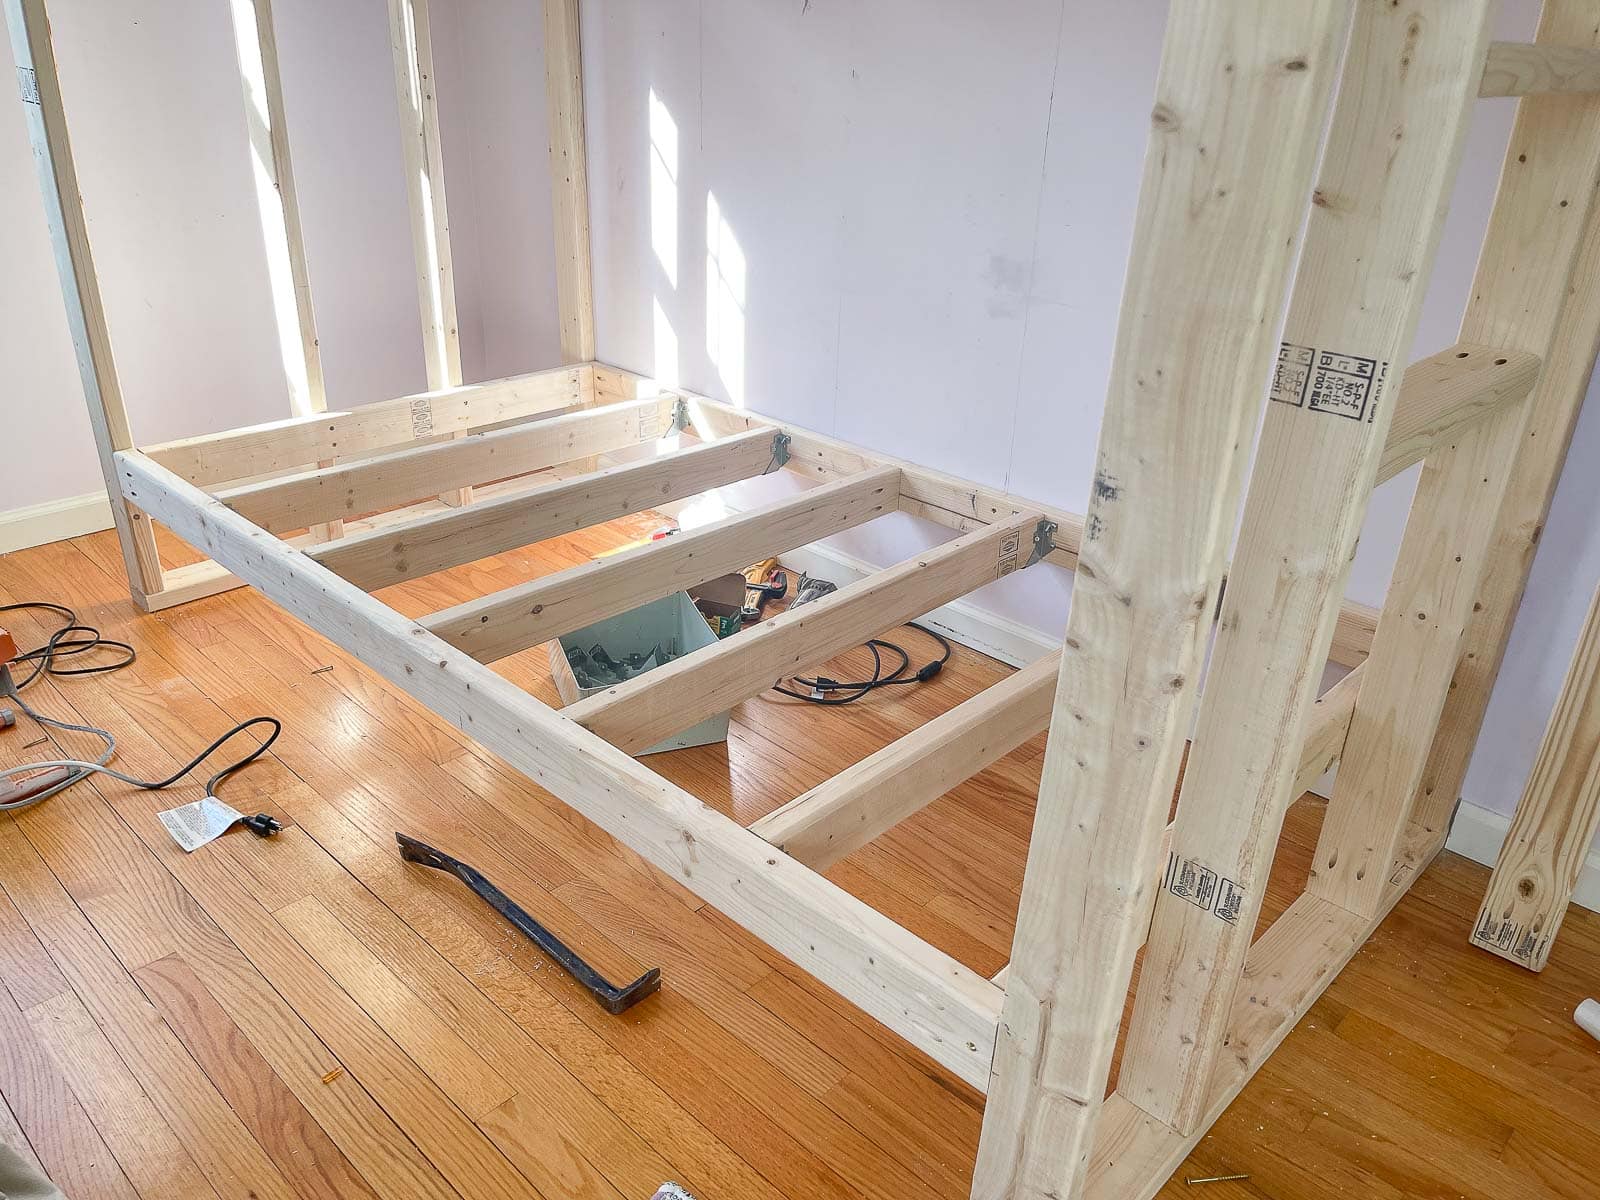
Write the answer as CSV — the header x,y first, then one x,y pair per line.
x,y
823,688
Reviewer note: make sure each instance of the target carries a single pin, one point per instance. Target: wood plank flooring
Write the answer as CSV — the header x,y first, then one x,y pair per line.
x,y
310,1017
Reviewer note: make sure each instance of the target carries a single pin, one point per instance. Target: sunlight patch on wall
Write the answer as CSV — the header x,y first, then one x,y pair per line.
x,y
664,187
725,300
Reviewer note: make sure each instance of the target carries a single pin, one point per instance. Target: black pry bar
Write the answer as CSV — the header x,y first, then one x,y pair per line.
x,y
610,997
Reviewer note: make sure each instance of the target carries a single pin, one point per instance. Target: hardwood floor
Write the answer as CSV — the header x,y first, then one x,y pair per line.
x,y
311,1017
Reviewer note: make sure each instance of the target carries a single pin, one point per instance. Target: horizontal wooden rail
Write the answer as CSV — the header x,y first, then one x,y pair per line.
x,y
1522,69
303,441
492,627
918,991
1326,730
838,817
351,489
439,541
650,707
1445,392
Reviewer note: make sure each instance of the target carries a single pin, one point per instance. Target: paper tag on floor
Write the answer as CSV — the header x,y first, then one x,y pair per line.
x,y
193,825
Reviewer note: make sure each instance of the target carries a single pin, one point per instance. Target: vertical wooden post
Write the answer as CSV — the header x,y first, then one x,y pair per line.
x,y
1241,101
1519,296
256,44
411,37
69,236
1555,823
569,177
1410,83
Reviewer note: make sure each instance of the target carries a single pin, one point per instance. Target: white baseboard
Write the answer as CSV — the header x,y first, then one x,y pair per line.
x,y
54,521
999,637
1478,834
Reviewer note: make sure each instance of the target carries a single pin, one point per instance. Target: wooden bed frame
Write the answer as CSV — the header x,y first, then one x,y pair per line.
x,y
1246,90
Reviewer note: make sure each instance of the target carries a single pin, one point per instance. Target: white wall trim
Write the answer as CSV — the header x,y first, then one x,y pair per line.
x,y
54,521
961,621
1479,833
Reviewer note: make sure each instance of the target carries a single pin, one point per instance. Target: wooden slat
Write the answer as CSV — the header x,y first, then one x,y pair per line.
x,y
1458,554
919,992
391,554
508,621
670,698
349,490
1555,822
569,178
1241,99
1524,68
821,826
302,441
1369,250
1448,391
46,120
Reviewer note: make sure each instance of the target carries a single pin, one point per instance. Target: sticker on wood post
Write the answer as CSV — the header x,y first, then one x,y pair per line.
x,y
421,417
28,82
1010,555
1204,888
1328,381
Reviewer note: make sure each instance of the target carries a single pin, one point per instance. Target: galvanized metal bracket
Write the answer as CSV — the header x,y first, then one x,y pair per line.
x,y
780,451
680,416
1044,540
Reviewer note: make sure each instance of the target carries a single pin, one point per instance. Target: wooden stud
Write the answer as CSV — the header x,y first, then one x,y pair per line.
x,y
920,992
1242,93
837,817
673,697
1445,392
411,39
1555,822
392,554
278,446
289,278
505,622
569,178
46,120
1523,69
371,485
1369,247
1458,525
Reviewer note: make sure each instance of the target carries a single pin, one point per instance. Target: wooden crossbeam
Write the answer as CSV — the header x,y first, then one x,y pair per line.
x,y
492,627
837,817
1444,393
439,541
301,441
916,990
1525,68
673,697
350,489
1555,822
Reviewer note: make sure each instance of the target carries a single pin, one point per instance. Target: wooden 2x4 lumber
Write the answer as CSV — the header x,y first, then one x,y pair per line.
x,y
921,993
301,441
1555,822
1369,249
649,707
1481,499
1524,68
1241,100
371,485
1555,405
495,626
46,119
1327,728
1448,391
436,542
569,178
835,818
1289,967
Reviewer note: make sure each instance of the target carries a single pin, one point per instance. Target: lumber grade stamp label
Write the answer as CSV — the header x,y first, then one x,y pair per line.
x,y
1204,888
28,82
1328,381
650,425
1509,937
1009,555
421,417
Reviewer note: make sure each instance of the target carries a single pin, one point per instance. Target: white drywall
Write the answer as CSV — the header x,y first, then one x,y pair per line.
x,y
157,121
906,224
